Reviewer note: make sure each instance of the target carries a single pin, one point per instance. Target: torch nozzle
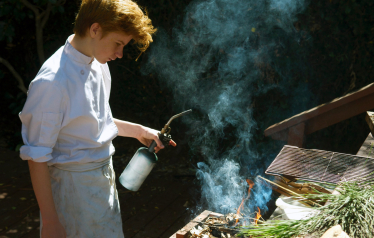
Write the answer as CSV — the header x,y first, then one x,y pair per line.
x,y
172,118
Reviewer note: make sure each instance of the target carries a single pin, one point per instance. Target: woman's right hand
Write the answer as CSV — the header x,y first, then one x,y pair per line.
x,y
53,230
41,183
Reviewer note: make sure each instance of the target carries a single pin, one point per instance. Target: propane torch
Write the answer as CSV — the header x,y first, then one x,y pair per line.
x,y
145,159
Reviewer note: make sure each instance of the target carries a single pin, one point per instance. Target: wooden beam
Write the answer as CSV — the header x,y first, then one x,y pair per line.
x,y
327,114
339,114
282,135
296,135
183,233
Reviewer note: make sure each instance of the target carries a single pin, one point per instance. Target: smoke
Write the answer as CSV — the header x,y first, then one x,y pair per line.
x,y
222,61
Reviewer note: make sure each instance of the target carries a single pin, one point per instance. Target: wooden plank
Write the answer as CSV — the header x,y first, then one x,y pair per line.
x,y
180,222
164,220
296,135
367,149
134,204
327,114
202,216
152,209
182,233
214,214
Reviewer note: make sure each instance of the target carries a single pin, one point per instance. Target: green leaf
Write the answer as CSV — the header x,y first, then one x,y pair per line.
x,y
18,147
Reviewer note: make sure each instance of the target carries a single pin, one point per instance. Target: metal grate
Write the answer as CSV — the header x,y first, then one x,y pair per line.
x,y
321,166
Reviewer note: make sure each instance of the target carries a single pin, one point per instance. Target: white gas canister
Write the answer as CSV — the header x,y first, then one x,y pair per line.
x,y
138,169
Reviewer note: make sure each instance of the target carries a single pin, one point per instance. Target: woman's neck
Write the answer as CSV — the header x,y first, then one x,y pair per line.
x,y
83,45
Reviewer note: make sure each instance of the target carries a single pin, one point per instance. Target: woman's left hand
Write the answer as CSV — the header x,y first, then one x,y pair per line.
x,y
148,135
144,134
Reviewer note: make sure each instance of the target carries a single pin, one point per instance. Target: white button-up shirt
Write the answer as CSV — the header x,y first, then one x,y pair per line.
x,y
66,118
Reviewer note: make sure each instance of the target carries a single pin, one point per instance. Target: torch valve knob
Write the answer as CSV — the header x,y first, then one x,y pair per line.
x,y
166,140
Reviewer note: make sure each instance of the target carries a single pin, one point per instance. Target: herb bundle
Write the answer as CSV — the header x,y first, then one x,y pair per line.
x,y
353,210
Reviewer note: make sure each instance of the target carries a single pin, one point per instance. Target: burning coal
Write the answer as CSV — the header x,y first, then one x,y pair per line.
x,y
224,57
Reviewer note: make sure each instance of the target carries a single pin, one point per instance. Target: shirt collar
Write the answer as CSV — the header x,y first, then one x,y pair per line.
x,y
74,54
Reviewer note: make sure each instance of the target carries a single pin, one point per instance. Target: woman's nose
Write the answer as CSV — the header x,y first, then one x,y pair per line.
x,y
119,54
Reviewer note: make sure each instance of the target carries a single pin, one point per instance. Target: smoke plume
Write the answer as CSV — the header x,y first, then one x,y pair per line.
x,y
222,60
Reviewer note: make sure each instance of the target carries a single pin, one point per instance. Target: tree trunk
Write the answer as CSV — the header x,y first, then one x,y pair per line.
x,y
21,85
39,41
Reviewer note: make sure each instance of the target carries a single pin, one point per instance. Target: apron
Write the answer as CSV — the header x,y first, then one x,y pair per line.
x,y
86,200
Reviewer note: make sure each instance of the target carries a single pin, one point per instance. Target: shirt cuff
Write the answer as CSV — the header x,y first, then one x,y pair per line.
x,y
36,154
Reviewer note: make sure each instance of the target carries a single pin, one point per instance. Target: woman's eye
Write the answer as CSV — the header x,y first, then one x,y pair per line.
x,y
118,44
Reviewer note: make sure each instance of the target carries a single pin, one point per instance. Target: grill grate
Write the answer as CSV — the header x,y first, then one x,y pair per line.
x,y
321,166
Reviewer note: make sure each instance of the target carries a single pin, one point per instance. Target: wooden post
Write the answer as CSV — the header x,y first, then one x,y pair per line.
x,y
367,148
296,135
369,120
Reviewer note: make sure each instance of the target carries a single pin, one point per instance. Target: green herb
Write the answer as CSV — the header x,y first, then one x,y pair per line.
x,y
353,210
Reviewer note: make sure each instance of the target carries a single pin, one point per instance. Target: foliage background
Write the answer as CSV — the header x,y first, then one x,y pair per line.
x,y
341,61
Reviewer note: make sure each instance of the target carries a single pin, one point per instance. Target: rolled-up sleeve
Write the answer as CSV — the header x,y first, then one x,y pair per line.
x,y
41,119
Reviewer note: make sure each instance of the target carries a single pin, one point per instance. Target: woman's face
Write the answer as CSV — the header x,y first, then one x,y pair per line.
x,y
109,47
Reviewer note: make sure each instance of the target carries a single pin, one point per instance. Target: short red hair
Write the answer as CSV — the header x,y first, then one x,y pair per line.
x,y
115,16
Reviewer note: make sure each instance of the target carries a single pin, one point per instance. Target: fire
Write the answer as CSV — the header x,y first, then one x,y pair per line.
x,y
251,184
258,215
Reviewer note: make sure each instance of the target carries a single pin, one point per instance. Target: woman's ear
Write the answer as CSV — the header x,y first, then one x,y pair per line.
x,y
95,30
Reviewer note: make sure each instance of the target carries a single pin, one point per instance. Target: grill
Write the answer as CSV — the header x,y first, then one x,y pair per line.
x,y
321,166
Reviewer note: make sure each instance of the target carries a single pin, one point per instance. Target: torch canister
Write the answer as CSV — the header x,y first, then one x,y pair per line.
x,y
145,159
138,169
